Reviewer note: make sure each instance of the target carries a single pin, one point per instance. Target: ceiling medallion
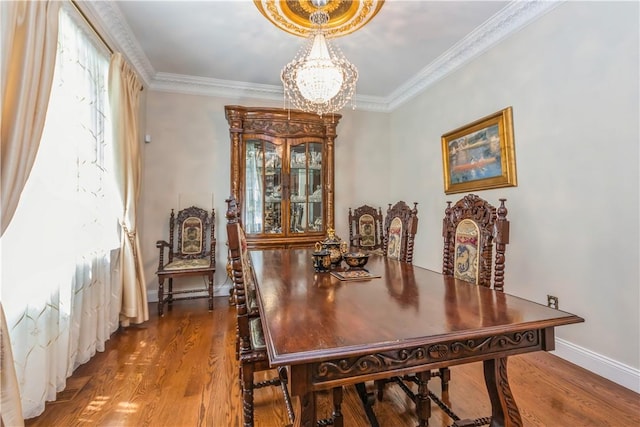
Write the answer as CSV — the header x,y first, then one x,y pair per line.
x,y
346,16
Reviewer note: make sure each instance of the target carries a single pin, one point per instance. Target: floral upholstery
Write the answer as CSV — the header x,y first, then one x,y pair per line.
x,y
192,235
187,264
394,244
400,228
256,334
367,227
247,270
466,251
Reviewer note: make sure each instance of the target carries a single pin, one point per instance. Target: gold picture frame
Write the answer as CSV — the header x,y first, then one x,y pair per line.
x,y
480,155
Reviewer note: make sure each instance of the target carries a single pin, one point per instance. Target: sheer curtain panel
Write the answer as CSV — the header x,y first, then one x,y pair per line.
x,y
58,290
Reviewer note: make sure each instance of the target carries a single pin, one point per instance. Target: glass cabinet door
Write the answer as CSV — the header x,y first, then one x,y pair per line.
x,y
263,188
306,188
282,174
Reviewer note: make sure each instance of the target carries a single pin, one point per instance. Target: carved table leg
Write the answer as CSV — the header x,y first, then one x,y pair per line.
x,y
504,411
423,403
337,407
308,409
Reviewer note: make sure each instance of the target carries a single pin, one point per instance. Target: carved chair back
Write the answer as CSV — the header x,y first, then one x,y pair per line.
x,y
191,233
400,228
241,273
191,250
365,228
250,345
471,228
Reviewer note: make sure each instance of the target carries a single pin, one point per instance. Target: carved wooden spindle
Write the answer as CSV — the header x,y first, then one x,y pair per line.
x,y
379,228
172,226
447,263
412,230
352,238
501,232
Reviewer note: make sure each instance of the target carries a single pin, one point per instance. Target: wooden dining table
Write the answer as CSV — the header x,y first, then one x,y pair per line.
x,y
407,319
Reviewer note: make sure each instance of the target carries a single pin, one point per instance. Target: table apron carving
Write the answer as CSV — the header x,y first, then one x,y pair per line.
x,y
432,356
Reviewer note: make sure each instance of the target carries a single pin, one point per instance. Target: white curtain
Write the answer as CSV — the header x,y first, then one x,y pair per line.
x,y
29,33
29,37
57,271
124,96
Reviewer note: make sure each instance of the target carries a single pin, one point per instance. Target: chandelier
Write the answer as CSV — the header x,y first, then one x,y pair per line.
x,y
319,79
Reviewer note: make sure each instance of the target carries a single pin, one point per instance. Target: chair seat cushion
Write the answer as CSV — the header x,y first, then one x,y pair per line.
x,y
257,336
188,264
374,251
252,302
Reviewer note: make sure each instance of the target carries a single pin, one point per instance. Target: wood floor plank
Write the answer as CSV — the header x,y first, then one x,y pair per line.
x,y
180,370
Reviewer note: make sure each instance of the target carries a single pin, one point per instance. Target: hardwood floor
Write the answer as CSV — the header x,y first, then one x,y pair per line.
x,y
180,370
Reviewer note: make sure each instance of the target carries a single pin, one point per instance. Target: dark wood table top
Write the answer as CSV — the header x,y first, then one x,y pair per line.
x,y
310,316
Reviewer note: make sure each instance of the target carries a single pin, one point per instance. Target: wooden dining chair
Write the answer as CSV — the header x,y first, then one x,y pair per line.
x,y
191,251
400,228
250,345
475,237
365,228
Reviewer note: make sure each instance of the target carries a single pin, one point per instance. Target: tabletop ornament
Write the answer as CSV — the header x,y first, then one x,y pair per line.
x,y
335,246
321,259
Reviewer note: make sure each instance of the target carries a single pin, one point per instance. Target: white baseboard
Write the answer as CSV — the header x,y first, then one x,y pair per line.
x,y
608,368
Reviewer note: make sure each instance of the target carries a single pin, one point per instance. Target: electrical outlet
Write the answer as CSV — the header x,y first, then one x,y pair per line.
x,y
552,301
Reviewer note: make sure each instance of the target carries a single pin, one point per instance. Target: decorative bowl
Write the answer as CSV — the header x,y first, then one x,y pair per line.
x,y
356,260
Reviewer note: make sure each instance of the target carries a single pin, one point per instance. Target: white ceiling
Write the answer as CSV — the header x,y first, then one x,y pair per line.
x,y
228,48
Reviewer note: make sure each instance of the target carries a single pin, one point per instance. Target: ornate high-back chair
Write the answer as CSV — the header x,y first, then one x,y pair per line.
x,y
470,228
191,252
400,228
250,346
365,228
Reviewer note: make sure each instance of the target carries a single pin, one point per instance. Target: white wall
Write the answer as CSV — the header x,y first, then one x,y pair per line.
x,y
362,164
572,79
186,160
189,156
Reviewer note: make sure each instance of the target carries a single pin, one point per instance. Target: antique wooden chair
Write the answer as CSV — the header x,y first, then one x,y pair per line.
x,y
365,228
470,228
400,228
191,252
251,350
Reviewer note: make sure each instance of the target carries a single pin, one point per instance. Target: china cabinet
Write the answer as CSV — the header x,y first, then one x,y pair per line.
x,y
282,174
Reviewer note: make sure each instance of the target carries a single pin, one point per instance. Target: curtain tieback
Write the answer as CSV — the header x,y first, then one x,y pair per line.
x,y
131,235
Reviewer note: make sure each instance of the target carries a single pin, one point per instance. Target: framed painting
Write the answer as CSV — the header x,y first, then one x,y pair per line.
x,y
480,155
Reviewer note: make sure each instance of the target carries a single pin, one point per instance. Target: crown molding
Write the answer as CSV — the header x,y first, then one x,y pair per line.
x,y
507,21
180,83
106,15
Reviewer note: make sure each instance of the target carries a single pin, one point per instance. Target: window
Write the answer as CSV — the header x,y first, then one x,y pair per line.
x,y
57,251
